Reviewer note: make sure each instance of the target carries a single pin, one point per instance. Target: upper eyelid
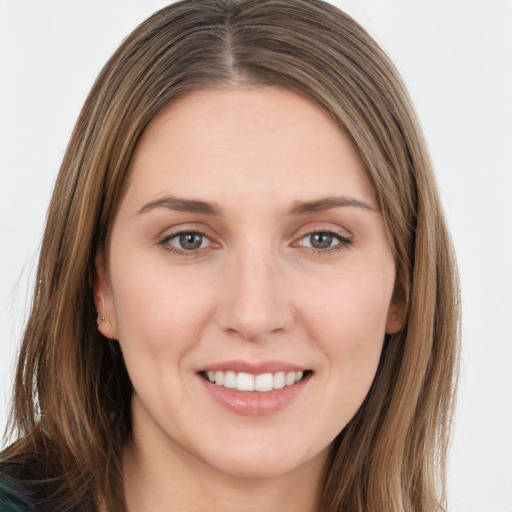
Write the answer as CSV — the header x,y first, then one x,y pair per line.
x,y
341,239
324,230
178,230
339,231
176,234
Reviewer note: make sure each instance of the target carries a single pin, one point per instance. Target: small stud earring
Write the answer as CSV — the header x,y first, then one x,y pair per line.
x,y
102,319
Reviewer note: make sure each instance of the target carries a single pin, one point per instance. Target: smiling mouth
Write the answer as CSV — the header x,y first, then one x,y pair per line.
x,y
262,383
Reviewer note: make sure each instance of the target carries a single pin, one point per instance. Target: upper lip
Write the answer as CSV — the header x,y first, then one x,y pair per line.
x,y
255,368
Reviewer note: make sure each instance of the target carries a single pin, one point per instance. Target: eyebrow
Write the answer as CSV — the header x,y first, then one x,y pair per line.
x,y
182,205
326,203
299,207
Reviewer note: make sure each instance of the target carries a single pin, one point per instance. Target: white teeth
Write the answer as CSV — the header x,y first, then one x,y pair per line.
x,y
279,380
290,378
230,380
245,382
263,382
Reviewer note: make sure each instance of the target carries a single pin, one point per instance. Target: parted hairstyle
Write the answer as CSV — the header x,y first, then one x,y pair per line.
x,y
71,411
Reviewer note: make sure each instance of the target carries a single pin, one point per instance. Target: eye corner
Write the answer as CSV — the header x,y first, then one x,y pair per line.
x,y
322,240
187,242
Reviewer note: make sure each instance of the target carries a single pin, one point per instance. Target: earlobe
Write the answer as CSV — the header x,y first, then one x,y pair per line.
x,y
393,324
103,299
396,316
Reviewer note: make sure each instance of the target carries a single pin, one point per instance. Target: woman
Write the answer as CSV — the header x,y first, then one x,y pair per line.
x,y
246,293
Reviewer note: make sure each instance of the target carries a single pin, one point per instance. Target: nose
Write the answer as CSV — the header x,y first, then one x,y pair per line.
x,y
255,302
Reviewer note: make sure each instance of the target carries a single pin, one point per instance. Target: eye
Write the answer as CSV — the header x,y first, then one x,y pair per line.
x,y
189,241
185,241
324,241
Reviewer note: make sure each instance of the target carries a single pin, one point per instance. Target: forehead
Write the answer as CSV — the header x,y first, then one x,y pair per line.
x,y
245,140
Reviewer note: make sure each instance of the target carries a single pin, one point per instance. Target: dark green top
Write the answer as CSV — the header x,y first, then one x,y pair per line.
x,y
14,500
30,496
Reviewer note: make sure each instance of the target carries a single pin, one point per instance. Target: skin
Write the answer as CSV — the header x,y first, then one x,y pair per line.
x,y
255,290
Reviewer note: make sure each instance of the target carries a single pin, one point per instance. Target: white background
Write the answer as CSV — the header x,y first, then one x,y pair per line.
x,y
456,58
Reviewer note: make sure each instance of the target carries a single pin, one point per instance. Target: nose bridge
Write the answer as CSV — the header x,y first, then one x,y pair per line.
x,y
255,302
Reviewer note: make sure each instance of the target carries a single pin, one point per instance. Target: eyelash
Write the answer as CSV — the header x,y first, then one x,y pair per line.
x,y
164,243
343,242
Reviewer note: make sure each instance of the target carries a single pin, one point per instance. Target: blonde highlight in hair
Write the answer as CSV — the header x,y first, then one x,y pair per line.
x,y
72,392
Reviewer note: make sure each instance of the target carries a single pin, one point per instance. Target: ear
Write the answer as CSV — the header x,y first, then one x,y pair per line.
x,y
396,314
103,299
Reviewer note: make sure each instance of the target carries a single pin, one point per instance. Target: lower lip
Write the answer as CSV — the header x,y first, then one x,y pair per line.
x,y
254,403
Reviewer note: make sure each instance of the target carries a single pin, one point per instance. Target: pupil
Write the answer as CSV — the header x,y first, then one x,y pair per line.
x,y
321,240
191,241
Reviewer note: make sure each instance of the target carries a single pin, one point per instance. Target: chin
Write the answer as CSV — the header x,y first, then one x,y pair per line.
x,y
263,462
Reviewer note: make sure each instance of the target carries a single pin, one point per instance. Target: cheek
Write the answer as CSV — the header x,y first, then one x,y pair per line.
x,y
349,322
160,317
158,312
347,325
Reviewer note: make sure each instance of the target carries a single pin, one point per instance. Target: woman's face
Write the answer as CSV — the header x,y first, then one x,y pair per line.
x,y
247,252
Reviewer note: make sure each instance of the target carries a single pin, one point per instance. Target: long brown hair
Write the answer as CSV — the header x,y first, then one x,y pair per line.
x,y
71,408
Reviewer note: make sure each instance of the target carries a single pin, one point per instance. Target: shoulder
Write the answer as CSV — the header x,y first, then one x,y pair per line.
x,y
25,487
13,496
17,492
23,491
